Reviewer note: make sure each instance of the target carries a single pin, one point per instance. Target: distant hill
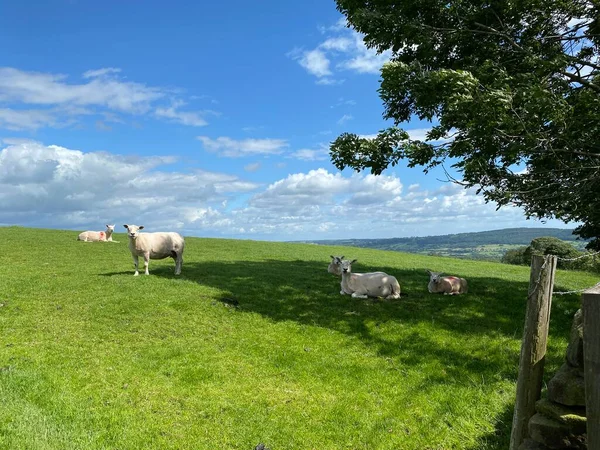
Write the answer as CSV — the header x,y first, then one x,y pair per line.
x,y
489,245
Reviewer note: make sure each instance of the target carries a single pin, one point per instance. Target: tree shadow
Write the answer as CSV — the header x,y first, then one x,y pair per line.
x,y
303,291
500,437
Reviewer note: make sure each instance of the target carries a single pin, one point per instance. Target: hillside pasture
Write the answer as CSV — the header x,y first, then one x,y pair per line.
x,y
254,344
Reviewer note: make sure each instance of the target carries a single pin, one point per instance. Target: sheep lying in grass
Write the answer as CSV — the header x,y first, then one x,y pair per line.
x,y
363,285
447,285
97,236
154,246
335,266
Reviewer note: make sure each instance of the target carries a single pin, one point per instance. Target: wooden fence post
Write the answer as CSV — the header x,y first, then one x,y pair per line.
x,y
533,347
591,361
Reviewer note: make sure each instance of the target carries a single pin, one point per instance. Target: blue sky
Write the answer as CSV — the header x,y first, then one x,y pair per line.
x,y
209,118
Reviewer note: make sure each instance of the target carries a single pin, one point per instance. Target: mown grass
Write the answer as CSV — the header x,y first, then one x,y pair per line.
x,y
253,343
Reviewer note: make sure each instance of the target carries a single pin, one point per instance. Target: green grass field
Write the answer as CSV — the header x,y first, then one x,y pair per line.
x,y
94,358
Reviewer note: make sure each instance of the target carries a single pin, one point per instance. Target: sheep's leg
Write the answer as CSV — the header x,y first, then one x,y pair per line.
x,y
135,264
357,295
178,264
146,262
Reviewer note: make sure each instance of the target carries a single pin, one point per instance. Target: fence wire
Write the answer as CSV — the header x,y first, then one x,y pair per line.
x,y
575,291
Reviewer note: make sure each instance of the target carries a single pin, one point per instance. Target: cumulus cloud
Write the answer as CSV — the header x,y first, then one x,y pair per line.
x,y
324,205
342,50
235,148
103,92
58,187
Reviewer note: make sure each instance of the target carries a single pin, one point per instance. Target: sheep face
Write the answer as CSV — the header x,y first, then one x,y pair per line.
x,y
346,266
133,230
110,228
335,266
435,277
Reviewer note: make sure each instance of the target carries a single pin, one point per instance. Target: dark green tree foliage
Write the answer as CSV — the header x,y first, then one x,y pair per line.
x,y
568,256
553,246
516,256
512,85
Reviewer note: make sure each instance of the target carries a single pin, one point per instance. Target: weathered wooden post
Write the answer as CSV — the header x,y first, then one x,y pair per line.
x,y
533,347
591,362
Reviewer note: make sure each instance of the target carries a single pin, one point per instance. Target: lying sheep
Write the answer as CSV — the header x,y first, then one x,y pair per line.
x,y
154,246
363,285
447,285
335,266
97,236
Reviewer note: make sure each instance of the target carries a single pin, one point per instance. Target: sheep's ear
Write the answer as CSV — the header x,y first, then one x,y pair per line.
x,y
126,226
353,261
141,227
428,271
332,257
341,257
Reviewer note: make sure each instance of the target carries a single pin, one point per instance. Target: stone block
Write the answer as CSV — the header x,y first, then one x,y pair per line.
x,y
571,416
575,347
553,434
567,387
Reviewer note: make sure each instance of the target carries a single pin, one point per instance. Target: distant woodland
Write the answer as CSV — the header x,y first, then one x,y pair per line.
x,y
487,245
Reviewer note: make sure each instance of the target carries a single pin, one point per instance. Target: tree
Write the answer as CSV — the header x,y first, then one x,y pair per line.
x,y
512,88
548,245
515,256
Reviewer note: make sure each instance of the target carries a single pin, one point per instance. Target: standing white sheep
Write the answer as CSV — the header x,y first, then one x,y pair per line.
x,y
97,236
363,285
155,246
447,285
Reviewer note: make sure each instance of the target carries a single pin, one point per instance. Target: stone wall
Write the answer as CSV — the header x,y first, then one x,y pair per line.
x,y
560,420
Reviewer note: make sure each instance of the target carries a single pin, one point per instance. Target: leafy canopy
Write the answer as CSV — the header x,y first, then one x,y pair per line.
x,y
512,88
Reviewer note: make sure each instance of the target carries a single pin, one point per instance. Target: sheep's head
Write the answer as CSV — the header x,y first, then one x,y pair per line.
x,y
435,277
110,229
335,266
133,230
346,266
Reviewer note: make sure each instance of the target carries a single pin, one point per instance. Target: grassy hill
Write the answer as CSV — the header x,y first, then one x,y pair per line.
x,y
253,343
487,245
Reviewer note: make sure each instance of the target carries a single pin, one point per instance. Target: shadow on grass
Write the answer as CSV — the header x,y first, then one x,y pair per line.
x,y
304,292
500,437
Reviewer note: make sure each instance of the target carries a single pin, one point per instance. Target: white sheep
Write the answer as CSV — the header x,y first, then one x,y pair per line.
x,y
97,236
335,266
363,285
447,285
155,246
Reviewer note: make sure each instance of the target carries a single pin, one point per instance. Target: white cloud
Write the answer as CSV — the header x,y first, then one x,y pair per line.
x,y
326,81
232,148
315,62
55,187
345,118
252,167
345,49
101,72
190,118
307,154
58,101
58,187
31,119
